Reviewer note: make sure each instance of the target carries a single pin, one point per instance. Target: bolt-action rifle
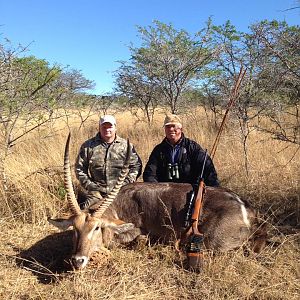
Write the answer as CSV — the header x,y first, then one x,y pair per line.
x,y
195,243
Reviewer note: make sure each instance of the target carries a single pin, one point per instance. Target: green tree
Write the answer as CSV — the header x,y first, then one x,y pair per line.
x,y
69,91
141,92
30,92
279,73
25,102
168,61
238,50
270,53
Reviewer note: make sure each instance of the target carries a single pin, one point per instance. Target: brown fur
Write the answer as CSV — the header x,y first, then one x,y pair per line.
x,y
159,210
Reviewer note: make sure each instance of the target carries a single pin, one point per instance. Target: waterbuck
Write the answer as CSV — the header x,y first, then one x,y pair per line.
x,y
157,210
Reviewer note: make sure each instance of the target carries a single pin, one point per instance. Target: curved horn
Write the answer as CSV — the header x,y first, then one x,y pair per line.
x,y
73,204
113,194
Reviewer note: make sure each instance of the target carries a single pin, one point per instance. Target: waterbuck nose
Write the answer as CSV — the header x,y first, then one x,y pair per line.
x,y
79,262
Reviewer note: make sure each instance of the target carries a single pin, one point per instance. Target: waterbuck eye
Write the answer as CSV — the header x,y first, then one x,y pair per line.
x,y
97,228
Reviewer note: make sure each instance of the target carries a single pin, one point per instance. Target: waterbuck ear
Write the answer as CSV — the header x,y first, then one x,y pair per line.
x,y
62,224
121,228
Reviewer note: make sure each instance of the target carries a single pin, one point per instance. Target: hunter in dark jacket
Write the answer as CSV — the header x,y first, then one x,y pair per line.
x,y
178,159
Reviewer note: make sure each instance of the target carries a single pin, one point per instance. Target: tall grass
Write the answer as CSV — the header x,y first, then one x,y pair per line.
x,y
34,169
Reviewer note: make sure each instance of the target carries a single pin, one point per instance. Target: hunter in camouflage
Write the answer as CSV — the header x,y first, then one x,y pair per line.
x,y
101,158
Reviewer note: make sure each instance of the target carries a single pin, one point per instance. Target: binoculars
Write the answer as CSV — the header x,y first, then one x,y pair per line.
x,y
173,171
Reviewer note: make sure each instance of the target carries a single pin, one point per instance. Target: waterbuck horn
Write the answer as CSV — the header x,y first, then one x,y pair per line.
x,y
113,194
73,204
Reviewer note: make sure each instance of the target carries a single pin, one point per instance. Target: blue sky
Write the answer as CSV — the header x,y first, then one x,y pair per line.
x,y
91,36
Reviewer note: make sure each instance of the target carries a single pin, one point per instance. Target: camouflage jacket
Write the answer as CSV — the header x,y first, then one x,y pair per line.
x,y
99,164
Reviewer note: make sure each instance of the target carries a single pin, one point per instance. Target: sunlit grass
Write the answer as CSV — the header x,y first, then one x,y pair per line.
x,y
34,170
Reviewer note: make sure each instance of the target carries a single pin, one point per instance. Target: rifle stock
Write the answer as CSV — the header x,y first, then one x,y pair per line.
x,y
197,207
195,245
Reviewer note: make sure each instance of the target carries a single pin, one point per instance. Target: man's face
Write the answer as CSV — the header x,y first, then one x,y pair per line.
x,y
108,132
173,133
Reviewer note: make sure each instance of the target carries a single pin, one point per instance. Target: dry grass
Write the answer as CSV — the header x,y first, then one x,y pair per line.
x,y
33,254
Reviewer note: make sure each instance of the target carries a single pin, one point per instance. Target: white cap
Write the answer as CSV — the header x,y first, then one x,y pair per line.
x,y
108,119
